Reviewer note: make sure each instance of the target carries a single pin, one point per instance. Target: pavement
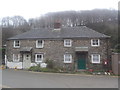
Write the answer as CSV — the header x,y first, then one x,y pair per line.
x,y
28,79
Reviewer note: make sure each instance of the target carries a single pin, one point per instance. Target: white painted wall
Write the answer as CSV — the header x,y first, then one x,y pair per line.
x,y
43,65
33,64
14,64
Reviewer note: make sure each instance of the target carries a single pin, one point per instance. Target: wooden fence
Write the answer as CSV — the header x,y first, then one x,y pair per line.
x,y
116,63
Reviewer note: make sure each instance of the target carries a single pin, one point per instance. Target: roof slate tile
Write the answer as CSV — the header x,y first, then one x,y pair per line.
x,y
65,32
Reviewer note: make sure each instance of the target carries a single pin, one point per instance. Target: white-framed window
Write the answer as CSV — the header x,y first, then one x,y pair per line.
x,y
95,58
16,43
95,42
67,58
39,43
16,57
27,57
38,57
67,42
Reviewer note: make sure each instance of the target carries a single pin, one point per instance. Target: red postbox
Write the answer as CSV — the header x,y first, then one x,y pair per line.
x,y
105,62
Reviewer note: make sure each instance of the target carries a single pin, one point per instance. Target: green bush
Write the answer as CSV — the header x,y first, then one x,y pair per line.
x,y
48,70
35,68
39,69
117,48
50,64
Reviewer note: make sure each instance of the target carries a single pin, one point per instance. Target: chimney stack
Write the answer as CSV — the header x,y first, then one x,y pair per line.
x,y
57,25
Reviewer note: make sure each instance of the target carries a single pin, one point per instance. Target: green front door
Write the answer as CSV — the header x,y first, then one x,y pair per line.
x,y
82,61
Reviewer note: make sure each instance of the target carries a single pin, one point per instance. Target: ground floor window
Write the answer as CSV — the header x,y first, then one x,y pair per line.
x,y
67,58
16,57
95,58
38,57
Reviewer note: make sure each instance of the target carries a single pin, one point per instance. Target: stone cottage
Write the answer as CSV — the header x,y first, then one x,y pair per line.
x,y
73,48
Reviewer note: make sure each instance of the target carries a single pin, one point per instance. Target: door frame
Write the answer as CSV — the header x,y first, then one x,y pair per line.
x,y
24,57
78,58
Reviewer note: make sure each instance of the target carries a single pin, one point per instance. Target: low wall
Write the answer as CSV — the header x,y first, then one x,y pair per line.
x,y
18,65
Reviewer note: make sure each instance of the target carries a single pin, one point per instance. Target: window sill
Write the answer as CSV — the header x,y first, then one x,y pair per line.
x,y
67,62
16,47
38,61
39,47
95,62
95,45
67,46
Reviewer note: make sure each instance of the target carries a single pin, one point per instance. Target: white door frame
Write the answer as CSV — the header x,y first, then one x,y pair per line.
x,y
26,61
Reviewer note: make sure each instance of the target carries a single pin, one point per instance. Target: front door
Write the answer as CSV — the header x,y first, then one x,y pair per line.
x,y
26,61
81,61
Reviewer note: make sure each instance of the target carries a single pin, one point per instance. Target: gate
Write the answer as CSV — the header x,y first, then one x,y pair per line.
x,y
116,63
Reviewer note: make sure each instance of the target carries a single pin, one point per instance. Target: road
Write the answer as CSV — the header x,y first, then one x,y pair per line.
x,y
26,79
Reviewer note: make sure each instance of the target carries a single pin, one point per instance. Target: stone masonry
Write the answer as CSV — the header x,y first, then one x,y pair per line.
x,y
54,50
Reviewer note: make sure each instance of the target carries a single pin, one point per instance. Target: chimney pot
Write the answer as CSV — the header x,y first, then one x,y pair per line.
x,y
57,25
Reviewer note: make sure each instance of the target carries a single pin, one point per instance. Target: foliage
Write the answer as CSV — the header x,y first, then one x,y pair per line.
x,y
48,70
14,21
50,64
39,69
58,70
117,48
75,18
35,68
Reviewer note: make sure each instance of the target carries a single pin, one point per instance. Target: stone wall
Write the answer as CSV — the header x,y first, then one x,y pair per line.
x,y
54,50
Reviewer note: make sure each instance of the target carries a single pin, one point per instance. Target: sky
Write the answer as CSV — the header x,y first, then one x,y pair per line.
x,y
35,8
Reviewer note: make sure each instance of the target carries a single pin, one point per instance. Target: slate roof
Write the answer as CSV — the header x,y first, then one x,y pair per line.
x,y
65,32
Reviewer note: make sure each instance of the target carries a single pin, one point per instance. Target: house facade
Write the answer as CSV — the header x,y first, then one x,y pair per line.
x,y
72,48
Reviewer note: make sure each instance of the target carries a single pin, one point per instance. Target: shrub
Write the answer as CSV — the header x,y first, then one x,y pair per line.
x,y
50,64
117,48
38,69
48,70
35,68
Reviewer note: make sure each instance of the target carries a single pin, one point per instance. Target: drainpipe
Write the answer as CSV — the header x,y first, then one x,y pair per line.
x,y
31,57
108,57
22,60
5,61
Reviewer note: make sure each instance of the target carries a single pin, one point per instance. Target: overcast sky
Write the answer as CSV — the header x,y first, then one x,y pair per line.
x,y
35,8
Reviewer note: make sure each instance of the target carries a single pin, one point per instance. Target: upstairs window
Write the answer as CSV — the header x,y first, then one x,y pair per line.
x,y
95,58
67,58
95,42
38,57
16,43
67,43
16,57
39,43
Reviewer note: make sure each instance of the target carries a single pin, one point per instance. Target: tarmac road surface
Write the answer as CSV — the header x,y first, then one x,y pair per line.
x,y
26,79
